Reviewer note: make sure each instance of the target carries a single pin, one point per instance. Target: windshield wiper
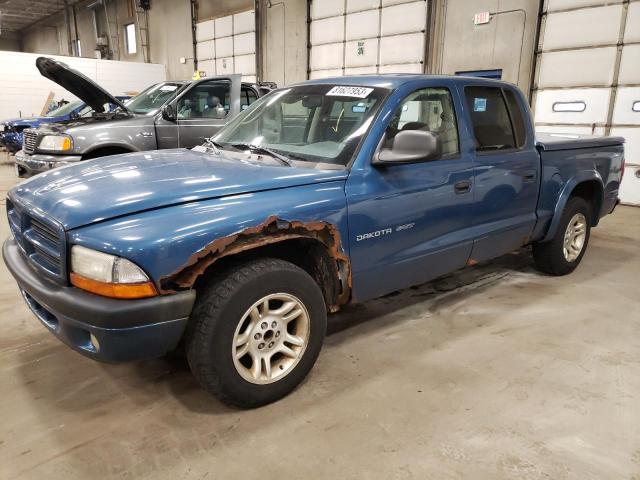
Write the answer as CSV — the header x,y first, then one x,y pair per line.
x,y
264,151
209,143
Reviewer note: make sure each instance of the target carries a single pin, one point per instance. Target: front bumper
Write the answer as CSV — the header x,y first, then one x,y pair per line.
x,y
101,328
32,164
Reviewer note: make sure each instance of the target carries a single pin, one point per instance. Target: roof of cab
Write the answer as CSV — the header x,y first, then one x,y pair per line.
x,y
395,80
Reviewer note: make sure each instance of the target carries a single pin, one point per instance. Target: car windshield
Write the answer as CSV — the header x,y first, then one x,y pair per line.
x,y
150,100
65,109
315,123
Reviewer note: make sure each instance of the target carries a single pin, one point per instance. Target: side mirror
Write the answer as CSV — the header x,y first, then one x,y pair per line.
x,y
410,146
168,113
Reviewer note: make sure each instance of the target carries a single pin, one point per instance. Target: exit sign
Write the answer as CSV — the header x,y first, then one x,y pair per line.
x,y
481,18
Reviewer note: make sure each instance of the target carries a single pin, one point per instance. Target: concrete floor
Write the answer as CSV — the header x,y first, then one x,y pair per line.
x,y
493,372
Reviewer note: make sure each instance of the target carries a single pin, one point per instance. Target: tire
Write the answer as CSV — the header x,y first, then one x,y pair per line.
x,y
231,309
550,257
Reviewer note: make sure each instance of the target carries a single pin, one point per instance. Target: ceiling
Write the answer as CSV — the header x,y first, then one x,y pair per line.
x,y
18,14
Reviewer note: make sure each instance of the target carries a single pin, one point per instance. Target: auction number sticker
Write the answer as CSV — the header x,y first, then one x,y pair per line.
x,y
343,91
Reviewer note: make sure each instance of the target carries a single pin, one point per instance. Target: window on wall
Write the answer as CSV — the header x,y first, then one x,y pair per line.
x,y
130,38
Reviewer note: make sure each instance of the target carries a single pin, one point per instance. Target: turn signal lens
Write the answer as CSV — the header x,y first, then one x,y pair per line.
x,y
55,143
108,275
114,290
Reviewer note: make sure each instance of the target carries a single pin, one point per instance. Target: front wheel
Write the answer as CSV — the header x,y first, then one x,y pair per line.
x,y
256,332
562,254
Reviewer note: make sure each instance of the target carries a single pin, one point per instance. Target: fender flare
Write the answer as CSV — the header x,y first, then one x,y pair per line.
x,y
565,194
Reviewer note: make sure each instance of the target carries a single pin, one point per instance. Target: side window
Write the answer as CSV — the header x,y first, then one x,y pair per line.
x,y
205,101
516,112
429,109
247,97
490,118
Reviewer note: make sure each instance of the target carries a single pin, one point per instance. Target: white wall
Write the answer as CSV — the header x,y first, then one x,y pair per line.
x,y
23,91
588,76
284,41
506,43
227,45
367,36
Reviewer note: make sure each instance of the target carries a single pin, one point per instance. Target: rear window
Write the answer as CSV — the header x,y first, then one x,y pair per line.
x,y
490,119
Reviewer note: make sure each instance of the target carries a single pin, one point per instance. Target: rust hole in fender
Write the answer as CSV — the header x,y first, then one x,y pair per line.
x,y
271,231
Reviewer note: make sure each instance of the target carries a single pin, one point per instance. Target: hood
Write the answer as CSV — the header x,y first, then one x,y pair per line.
x,y
63,126
73,81
32,122
110,187
17,122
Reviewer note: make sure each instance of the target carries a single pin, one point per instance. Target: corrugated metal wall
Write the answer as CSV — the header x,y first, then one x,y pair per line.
x,y
588,77
227,45
367,36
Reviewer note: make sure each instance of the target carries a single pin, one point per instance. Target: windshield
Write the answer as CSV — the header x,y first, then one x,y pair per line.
x,y
150,100
65,109
317,123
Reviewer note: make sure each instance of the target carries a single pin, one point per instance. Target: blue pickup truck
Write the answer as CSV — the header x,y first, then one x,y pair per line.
x,y
320,194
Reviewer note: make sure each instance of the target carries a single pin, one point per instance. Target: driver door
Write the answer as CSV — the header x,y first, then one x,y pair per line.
x,y
410,223
205,108
200,112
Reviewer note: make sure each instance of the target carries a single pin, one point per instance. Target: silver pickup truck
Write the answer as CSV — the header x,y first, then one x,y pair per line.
x,y
166,115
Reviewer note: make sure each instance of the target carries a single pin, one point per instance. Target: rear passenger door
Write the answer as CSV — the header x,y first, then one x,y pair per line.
x,y
506,171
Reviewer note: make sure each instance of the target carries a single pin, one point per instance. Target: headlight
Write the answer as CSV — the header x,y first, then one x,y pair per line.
x,y
108,275
55,143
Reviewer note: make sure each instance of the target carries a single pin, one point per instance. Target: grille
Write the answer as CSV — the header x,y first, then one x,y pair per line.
x,y
29,140
41,241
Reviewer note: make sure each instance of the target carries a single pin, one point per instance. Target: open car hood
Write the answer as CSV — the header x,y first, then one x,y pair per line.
x,y
81,86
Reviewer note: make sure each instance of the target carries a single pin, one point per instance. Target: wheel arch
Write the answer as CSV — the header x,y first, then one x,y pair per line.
x,y
106,149
587,185
313,246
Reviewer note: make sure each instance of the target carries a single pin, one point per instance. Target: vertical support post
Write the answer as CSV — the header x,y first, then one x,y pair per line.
x,y
616,68
75,29
537,49
67,23
257,8
194,19
309,39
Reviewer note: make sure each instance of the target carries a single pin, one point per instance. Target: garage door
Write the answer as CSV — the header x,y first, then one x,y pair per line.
x,y
227,45
367,36
588,78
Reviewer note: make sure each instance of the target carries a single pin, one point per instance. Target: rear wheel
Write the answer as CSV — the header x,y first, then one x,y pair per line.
x,y
562,254
256,332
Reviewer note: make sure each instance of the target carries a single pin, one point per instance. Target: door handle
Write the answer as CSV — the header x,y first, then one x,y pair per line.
x,y
463,186
529,176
